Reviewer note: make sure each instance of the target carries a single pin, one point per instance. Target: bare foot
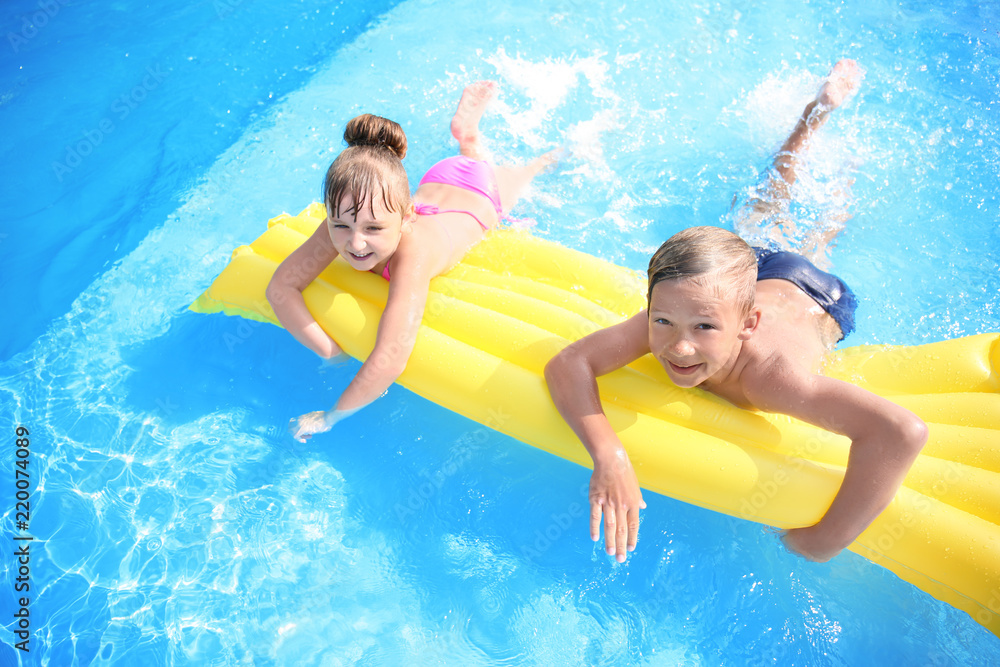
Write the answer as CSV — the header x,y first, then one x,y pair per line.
x,y
546,160
842,82
465,123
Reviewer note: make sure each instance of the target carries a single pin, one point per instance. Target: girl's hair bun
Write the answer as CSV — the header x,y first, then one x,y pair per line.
x,y
370,130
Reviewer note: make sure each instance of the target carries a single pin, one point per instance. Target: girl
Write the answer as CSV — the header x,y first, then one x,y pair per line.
x,y
375,226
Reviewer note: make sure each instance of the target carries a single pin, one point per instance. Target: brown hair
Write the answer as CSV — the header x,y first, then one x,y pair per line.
x,y
706,254
371,165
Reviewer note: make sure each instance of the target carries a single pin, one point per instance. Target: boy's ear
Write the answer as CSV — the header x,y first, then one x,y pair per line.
x,y
750,323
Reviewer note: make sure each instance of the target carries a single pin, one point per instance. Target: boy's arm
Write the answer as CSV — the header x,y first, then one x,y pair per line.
x,y
885,440
572,379
284,292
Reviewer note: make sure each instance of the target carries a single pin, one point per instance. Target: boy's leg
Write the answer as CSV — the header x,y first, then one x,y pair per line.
x,y
763,219
840,84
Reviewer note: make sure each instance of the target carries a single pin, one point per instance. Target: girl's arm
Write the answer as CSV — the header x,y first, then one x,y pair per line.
x,y
284,292
397,334
572,378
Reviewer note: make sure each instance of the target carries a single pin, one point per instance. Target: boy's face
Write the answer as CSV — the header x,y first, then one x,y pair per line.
x,y
694,332
369,235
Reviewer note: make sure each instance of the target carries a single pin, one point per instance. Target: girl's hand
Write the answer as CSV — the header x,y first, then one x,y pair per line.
x,y
320,421
336,353
810,543
334,362
308,424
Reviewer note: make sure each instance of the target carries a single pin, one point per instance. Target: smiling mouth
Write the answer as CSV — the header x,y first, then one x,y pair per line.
x,y
684,370
360,258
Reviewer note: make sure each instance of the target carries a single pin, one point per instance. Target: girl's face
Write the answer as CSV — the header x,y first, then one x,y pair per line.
x,y
367,237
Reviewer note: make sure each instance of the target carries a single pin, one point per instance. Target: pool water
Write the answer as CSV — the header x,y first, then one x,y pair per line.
x,y
176,522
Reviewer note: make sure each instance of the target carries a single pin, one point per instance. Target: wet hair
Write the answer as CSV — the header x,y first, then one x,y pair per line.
x,y
371,166
708,255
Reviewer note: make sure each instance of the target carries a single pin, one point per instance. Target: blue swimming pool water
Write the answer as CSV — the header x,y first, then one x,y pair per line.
x,y
176,522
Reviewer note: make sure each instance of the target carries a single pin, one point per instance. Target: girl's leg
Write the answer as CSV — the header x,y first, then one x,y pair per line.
x,y
465,124
511,181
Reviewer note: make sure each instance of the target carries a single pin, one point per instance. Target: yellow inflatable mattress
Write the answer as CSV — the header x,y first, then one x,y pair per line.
x,y
494,320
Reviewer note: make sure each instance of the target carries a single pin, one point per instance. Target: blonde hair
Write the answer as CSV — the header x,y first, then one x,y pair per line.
x,y
370,166
707,254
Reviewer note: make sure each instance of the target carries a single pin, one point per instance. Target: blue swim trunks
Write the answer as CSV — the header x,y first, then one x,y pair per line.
x,y
826,289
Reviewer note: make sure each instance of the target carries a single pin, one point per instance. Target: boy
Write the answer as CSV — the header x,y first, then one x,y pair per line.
x,y
751,326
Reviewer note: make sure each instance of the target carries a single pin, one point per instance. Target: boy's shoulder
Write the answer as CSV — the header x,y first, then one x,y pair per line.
x,y
776,371
791,326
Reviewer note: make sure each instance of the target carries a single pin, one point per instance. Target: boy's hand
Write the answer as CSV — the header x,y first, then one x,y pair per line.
x,y
615,494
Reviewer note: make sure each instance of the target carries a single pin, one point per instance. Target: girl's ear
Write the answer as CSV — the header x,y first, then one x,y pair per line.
x,y
409,217
750,323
